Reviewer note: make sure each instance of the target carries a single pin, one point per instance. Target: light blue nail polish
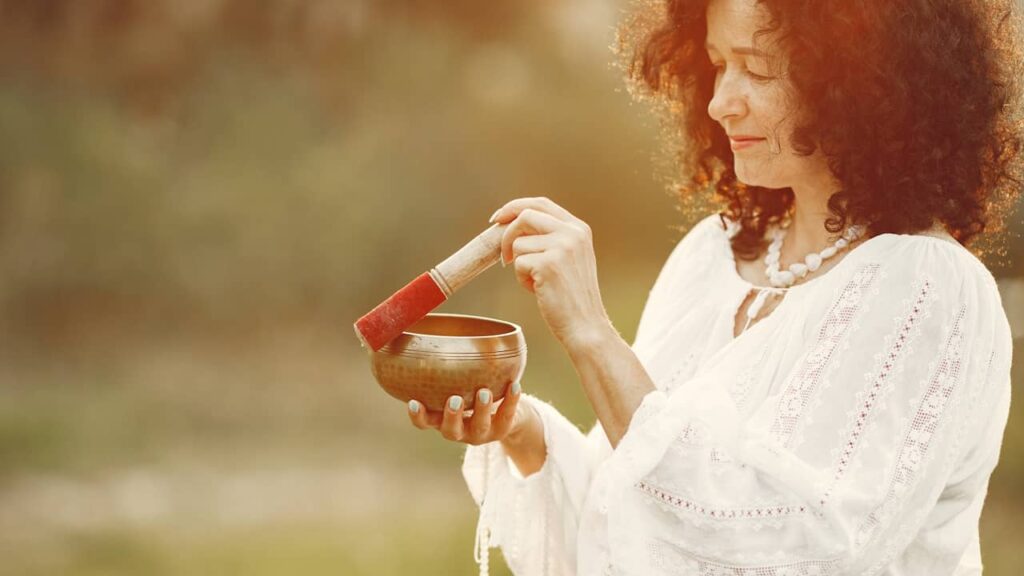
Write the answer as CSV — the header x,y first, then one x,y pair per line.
x,y
485,396
516,388
414,406
454,403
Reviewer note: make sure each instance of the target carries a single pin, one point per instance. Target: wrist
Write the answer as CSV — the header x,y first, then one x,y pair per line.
x,y
525,444
526,419
591,339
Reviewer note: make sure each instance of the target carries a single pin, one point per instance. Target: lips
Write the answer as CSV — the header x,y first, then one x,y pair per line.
x,y
740,142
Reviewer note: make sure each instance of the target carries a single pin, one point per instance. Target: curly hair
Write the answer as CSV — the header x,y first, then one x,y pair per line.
x,y
912,103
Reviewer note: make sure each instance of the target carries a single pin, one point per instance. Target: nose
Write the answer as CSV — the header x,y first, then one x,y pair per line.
x,y
728,100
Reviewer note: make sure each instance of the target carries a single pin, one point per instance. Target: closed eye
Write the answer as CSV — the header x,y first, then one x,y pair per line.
x,y
758,77
720,67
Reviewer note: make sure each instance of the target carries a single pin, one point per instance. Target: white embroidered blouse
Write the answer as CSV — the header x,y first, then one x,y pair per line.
x,y
851,431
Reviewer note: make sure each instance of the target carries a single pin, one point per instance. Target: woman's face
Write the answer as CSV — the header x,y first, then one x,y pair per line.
x,y
752,100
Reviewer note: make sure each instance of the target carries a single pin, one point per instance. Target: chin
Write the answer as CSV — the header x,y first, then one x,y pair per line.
x,y
756,174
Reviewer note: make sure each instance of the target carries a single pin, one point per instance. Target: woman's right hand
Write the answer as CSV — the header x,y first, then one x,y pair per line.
x,y
485,425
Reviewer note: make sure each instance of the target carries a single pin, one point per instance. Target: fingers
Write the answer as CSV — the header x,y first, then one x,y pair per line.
x,y
452,427
421,417
530,244
512,209
480,423
529,223
504,418
486,424
527,270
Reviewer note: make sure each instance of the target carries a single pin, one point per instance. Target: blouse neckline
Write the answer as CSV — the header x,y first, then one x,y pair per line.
x,y
734,273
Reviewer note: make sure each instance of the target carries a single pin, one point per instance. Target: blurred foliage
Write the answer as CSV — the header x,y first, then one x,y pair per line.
x,y
198,197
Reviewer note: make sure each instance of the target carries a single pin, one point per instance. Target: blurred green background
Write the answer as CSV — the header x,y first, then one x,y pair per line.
x,y
199,197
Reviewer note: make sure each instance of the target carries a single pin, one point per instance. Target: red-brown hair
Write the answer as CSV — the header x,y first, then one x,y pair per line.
x,y
913,103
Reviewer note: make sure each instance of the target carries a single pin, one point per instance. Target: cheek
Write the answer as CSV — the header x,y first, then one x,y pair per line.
x,y
769,113
772,115
775,163
782,139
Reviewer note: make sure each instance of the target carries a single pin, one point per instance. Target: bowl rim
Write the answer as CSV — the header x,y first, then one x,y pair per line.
x,y
516,329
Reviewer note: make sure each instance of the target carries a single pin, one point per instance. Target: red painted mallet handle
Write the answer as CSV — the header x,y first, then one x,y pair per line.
x,y
414,301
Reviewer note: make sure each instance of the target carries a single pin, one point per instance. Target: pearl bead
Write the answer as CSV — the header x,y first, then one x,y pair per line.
x,y
813,262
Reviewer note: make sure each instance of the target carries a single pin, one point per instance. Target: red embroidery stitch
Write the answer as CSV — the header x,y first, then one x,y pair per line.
x,y
760,512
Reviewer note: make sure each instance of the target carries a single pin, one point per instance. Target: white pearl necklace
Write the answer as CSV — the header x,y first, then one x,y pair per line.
x,y
796,271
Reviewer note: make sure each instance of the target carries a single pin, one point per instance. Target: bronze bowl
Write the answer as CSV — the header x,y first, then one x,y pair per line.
x,y
446,355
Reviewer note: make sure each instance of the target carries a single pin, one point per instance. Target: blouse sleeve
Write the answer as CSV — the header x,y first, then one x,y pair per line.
x,y
674,284
534,520
887,426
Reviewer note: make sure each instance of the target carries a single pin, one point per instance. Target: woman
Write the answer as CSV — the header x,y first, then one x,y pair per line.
x,y
820,379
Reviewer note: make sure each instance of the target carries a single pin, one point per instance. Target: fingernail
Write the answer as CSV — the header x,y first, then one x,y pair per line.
x,y
494,216
516,388
414,406
454,403
485,396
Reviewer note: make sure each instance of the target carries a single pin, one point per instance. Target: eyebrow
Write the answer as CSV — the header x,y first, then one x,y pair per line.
x,y
742,50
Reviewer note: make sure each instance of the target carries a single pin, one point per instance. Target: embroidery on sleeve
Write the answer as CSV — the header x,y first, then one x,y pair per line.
x,y
878,380
929,412
760,512
800,387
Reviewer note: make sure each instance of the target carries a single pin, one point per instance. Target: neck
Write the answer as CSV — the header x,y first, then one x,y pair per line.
x,y
807,232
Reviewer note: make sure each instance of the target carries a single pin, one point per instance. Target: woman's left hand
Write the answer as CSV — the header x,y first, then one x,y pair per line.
x,y
553,253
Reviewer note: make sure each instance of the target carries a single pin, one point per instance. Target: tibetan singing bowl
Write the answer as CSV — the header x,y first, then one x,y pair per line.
x,y
446,355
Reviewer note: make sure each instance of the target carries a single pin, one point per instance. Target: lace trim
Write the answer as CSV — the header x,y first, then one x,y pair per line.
x,y
683,371
926,420
877,383
808,568
759,512
805,382
670,559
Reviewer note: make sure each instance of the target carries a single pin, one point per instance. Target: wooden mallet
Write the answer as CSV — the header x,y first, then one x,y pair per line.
x,y
414,301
